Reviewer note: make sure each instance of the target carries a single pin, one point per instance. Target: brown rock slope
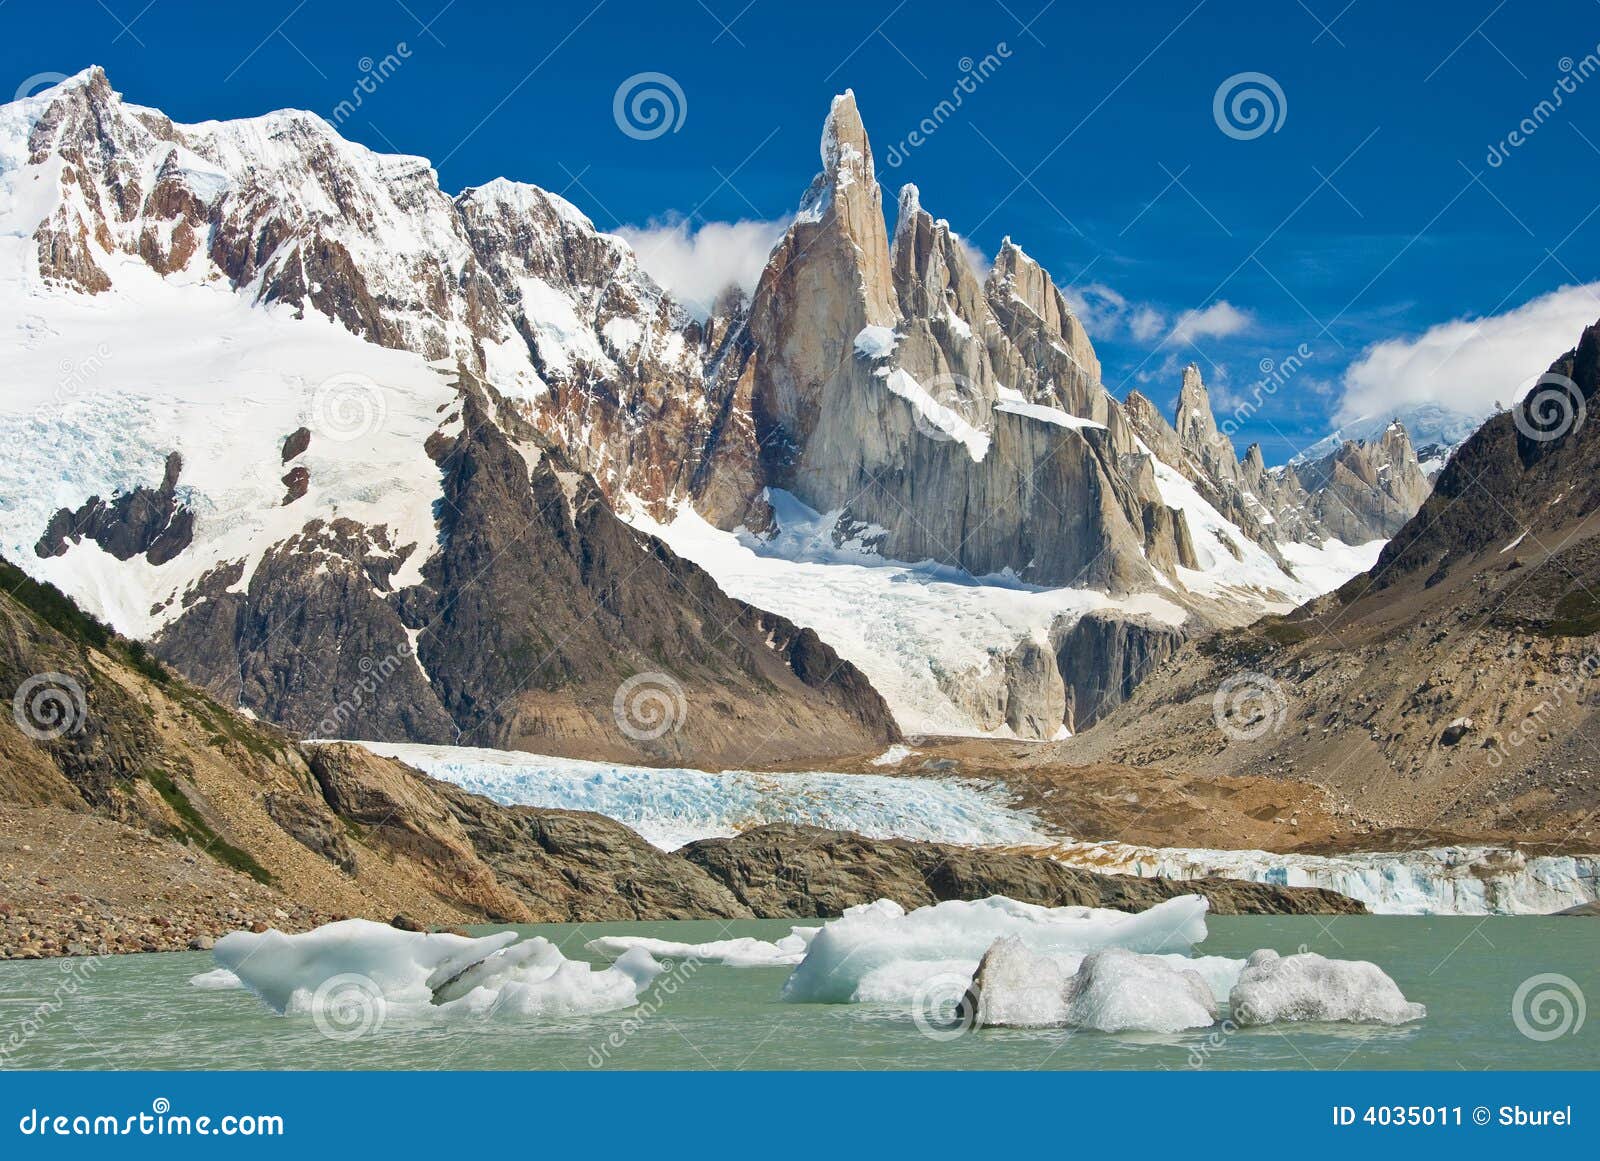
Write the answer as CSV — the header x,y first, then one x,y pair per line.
x,y
538,608
137,814
1451,688
784,870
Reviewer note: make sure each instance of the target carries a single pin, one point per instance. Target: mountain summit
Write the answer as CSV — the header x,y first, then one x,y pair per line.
x,y
294,413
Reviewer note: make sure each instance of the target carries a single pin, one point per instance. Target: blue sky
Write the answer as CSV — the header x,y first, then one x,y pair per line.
x,y
1369,215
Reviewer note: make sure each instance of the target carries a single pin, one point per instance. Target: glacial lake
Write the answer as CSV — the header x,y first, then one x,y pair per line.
x,y
141,1012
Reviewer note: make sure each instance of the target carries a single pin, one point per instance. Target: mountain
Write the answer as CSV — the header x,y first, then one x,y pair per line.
x,y
1448,687
369,460
355,531
1435,429
139,814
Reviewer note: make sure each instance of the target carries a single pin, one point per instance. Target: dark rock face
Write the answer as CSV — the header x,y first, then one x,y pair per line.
x,y
1522,473
316,830
146,522
520,863
605,604
295,482
538,605
784,870
315,642
1104,657
296,442
585,866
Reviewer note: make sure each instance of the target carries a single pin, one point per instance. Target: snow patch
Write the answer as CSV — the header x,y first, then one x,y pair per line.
x,y
930,638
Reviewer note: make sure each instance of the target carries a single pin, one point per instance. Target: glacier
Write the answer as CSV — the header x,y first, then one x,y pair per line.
x,y
1438,881
671,807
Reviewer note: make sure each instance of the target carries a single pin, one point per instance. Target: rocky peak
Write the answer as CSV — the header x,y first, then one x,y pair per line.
x,y
846,152
932,277
1366,490
1196,425
1255,465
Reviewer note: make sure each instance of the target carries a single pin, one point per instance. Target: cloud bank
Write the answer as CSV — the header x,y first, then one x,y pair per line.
x,y
1469,365
696,265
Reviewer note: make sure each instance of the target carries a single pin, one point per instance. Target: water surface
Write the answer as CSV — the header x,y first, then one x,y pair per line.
x,y
140,1012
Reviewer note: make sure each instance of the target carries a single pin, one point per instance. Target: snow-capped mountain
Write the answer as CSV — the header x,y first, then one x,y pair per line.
x,y
1434,429
282,405
265,402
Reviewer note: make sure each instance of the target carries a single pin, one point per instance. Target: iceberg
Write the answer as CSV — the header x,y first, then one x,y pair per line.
x,y
216,980
1275,989
357,970
884,954
1016,988
1111,990
1116,990
745,952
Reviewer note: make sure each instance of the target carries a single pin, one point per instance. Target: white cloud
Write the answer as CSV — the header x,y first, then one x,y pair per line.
x,y
1217,321
1099,308
1470,364
1146,323
697,265
976,258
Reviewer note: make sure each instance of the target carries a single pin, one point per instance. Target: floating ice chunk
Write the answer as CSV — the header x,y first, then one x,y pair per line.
x,y
1017,988
216,980
728,952
1111,990
1219,972
430,972
1116,990
1310,987
888,954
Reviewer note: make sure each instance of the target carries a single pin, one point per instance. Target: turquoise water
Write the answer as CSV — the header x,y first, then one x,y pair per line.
x,y
141,1012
